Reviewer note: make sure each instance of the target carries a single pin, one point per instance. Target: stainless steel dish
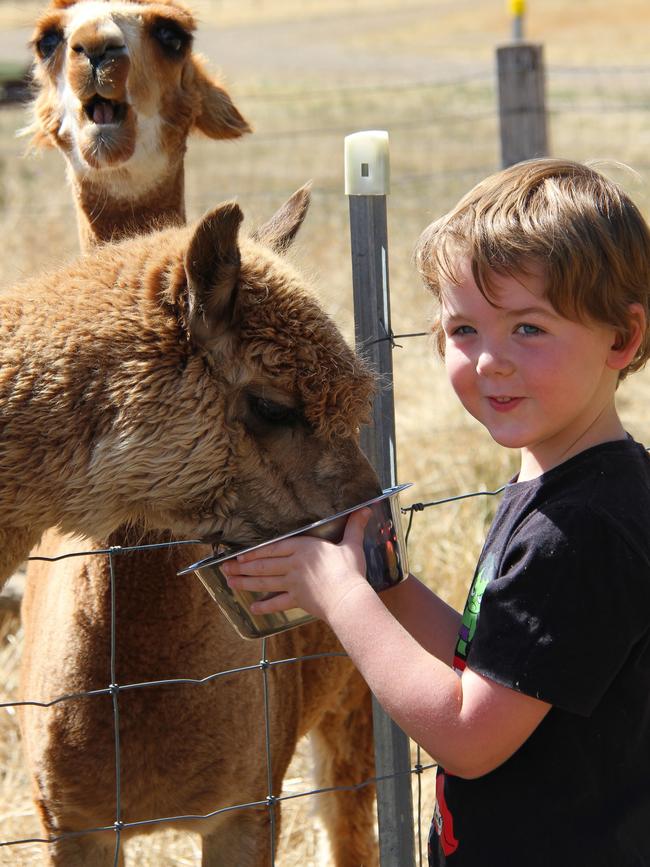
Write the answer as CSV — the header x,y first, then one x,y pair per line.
x,y
385,561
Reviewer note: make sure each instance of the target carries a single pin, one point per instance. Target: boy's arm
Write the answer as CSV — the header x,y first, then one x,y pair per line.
x,y
469,724
429,619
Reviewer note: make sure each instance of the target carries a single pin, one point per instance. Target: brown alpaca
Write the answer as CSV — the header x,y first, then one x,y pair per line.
x,y
155,195
118,92
245,385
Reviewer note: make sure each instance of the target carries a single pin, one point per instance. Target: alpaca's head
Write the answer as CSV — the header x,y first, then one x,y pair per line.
x,y
203,390
119,89
282,396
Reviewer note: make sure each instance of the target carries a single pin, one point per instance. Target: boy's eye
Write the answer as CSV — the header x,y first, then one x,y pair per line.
x,y
462,330
529,330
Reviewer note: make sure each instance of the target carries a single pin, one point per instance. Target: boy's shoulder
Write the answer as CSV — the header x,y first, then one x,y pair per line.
x,y
600,495
612,470
610,475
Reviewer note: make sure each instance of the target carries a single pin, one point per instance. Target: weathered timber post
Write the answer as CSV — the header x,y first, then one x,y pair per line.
x,y
366,183
522,103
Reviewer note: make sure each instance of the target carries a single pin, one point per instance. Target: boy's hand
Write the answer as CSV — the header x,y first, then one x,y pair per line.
x,y
304,571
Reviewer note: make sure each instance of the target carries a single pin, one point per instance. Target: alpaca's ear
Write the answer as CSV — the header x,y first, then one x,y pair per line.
x,y
217,116
212,263
279,232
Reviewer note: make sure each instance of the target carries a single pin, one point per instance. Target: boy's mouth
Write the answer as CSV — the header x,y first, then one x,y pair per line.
x,y
503,403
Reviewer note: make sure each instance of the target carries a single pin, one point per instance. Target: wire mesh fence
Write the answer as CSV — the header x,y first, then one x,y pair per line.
x,y
115,690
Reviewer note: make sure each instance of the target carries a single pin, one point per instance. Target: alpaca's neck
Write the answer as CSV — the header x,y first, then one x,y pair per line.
x,y
104,216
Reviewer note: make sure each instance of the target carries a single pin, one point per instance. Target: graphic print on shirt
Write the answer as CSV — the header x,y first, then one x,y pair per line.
x,y
443,820
484,574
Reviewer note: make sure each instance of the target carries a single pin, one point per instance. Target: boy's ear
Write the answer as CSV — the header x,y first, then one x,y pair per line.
x,y
627,342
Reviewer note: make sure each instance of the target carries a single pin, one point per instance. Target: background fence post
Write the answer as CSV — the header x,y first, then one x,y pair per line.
x,y
517,8
366,184
522,102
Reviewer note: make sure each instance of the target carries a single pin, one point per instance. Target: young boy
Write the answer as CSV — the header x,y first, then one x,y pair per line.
x,y
536,704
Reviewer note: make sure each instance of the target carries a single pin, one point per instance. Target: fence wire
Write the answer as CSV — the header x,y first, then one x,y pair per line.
x,y
444,129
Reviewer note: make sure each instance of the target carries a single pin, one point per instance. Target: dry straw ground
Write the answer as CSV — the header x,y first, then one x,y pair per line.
x,y
306,73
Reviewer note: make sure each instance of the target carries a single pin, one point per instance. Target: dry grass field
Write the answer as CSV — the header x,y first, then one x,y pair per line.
x,y
306,73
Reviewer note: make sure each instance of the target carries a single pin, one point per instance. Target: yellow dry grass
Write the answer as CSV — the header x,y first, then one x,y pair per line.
x,y
444,137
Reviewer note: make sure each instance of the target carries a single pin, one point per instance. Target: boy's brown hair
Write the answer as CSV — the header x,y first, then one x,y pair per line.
x,y
587,235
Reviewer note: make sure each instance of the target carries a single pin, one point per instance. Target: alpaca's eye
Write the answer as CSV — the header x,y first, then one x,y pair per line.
x,y
172,39
272,412
48,43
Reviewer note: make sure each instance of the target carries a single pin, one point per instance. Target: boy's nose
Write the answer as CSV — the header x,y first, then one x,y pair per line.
x,y
493,362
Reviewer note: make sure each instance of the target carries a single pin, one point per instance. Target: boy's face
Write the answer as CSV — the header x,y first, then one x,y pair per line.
x,y
538,382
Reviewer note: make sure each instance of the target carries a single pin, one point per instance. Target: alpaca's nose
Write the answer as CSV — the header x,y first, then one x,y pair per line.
x,y
99,54
99,43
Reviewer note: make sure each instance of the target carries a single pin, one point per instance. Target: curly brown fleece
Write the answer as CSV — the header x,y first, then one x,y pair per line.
x,y
121,403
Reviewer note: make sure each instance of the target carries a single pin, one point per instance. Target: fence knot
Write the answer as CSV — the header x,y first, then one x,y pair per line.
x,y
418,768
392,338
113,688
118,826
271,800
388,336
264,664
417,507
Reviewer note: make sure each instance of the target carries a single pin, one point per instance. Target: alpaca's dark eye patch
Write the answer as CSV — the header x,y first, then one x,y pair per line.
x,y
272,412
171,37
48,42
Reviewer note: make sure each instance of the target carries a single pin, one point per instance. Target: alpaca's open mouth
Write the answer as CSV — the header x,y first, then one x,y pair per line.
x,y
220,549
219,544
105,111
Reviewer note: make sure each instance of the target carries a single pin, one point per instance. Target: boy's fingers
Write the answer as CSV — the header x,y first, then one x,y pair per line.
x,y
281,602
356,525
267,566
277,549
265,584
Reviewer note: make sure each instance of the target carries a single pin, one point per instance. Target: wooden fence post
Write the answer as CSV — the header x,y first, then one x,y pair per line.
x,y
366,184
522,105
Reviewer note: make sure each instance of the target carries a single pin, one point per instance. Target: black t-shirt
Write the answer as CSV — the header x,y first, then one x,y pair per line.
x,y
560,610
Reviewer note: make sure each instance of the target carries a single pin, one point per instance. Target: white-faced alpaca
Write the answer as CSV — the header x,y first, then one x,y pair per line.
x,y
119,90
188,382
